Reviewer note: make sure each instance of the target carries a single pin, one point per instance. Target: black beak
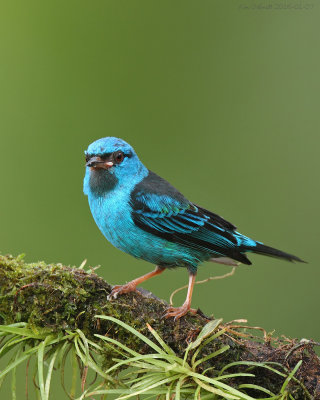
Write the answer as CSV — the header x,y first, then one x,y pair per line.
x,y
94,161
98,162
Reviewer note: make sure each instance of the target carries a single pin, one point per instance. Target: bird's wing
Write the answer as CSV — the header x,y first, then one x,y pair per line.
x,y
158,208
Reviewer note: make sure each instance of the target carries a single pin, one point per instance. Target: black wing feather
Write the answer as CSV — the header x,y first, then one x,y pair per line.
x,y
160,209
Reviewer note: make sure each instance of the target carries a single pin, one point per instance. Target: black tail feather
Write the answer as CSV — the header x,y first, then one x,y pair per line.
x,y
271,252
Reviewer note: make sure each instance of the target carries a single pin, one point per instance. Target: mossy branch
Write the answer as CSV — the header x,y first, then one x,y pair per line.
x,y
57,299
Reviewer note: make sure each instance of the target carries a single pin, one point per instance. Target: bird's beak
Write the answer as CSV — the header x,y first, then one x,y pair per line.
x,y
99,163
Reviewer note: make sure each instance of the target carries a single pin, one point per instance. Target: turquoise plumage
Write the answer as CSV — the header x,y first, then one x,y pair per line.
x,y
143,215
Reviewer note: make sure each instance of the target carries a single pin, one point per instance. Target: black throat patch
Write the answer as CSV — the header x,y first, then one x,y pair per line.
x,y
102,181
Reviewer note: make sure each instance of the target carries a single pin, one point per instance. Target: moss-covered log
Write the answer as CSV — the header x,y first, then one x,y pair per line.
x,y
62,298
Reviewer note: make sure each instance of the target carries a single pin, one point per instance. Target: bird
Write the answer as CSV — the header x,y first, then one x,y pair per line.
x,y
143,215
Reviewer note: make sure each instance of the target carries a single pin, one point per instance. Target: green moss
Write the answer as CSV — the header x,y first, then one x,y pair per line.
x,y
60,298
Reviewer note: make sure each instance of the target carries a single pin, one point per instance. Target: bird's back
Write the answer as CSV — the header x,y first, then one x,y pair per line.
x,y
161,210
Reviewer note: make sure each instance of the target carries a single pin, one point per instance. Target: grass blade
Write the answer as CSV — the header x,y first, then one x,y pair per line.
x,y
256,387
24,356
210,339
290,376
133,331
21,331
216,391
119,344
161,341
206,331
74,375
216,353
40,367
220,385
14,375
49,374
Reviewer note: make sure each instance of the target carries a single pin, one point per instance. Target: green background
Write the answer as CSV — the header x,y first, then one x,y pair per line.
x,y
219,97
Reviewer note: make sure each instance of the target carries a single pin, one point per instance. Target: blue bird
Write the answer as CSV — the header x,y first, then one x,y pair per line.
x,y
141,214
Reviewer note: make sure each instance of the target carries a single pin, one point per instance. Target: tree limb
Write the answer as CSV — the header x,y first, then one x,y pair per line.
x,y
62,298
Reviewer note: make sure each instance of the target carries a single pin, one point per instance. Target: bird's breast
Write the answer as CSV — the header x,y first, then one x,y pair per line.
x,y
112,214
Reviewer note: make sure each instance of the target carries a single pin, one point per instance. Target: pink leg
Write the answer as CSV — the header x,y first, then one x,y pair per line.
x,y
131,286
178,312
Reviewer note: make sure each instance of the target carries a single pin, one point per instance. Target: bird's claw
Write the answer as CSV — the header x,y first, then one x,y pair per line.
x,y
120,289
178,312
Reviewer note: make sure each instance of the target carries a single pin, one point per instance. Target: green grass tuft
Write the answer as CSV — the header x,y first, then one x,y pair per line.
x,y
160,374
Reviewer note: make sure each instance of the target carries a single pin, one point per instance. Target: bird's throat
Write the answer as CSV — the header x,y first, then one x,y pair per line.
x,y
102,181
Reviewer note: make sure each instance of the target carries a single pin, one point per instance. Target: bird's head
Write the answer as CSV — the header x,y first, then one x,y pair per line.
x,y
110,161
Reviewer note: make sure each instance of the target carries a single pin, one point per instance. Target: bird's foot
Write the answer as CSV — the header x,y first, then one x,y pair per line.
x,y
120,289
178,312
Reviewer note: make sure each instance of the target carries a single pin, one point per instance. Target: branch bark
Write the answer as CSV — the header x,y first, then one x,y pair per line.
x,y
60,298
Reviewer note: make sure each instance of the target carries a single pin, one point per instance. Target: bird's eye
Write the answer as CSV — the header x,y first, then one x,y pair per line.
x,y
118,157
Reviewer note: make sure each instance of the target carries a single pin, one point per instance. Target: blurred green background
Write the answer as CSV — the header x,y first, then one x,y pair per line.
x,y
221,98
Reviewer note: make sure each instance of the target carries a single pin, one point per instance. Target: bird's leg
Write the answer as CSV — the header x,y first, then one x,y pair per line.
x,y
178,312
131,286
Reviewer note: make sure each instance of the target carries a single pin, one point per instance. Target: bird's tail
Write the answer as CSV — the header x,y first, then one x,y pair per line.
x,y
260,248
